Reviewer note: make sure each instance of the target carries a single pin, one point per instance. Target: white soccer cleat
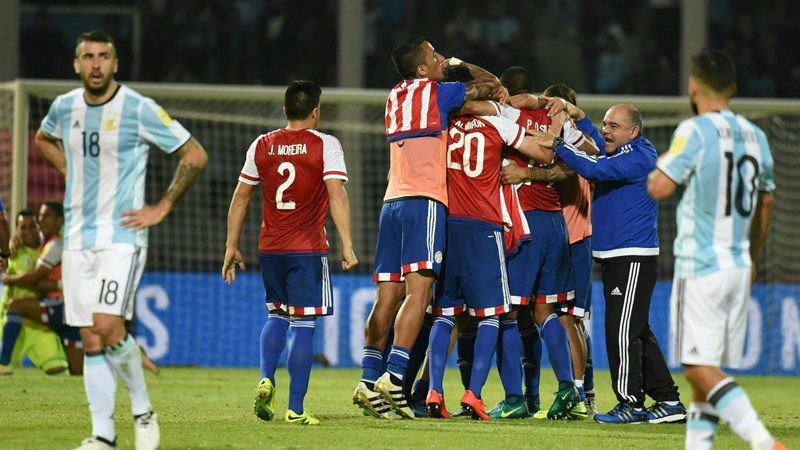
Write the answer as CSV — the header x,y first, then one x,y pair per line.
x,y
6,370
393,393
93,443
373,403
148,436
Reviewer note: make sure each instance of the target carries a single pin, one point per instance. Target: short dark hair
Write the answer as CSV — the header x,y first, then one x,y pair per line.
x,y
26,213
458,73
562,90
407,55
95,36
302,96
56,207
715,69
517,80
635,117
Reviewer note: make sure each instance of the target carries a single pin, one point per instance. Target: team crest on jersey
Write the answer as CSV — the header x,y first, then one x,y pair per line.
x,y
164,117
438,257
110,125
677,145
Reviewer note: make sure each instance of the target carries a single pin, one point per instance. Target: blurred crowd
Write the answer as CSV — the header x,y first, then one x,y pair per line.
x,y
609,47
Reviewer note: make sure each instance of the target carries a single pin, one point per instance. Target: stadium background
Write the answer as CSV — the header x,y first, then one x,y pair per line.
x,y
183,302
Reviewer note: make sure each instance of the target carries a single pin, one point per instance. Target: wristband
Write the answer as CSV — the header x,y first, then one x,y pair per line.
x,y
455,61
558,140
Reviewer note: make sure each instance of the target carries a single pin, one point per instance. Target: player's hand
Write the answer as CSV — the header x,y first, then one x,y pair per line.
x,y
545,139
513,173
148,216
553,105
13,244
349,259
524,101
557,123
233,258
501,95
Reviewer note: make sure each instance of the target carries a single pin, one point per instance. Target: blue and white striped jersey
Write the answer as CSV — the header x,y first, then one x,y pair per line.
x,y
106,148
724,160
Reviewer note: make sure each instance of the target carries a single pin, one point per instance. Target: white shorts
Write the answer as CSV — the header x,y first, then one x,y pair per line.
x,y
709,318
101,281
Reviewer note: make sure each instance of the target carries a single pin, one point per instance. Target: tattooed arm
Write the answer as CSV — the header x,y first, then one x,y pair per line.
x,y
193,159
483,84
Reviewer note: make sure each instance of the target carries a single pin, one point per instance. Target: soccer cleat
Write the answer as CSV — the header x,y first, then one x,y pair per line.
x,y
566,400
96,443
579,412
623,413
6,369
393,393
460,412
148,363
436,408
264,406
148,436
533,404
510,408
300,419
420,408
372,403
474,405
661,412
591,406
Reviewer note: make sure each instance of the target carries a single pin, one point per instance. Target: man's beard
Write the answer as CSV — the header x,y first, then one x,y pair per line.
x,y
100,90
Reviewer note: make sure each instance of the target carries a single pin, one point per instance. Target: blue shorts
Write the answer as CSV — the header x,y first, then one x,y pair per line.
x,y
541,270
299,285
474,276
581,256
410,238
52,309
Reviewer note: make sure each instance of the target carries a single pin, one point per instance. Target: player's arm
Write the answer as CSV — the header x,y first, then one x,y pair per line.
x,y
659,185
553,105
513,173
536,152
51,150
478,108
758,230
483,86
193,158
237,212
27,279
340,212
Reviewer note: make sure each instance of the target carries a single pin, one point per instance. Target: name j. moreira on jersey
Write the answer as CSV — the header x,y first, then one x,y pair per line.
x,y
288,149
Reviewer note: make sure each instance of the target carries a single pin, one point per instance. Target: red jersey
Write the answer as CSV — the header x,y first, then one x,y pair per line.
x,y
474,154
292,166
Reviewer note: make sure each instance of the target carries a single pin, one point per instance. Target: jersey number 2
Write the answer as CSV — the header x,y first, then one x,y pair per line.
x,y
283,169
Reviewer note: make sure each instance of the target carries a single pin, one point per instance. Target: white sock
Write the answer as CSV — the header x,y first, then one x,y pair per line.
x,y
701,426
578,383
127,362
733,406
100,383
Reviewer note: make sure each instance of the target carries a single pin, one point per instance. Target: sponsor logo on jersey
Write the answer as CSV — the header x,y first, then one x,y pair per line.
x,y
110,125
77,124
616,291
438,257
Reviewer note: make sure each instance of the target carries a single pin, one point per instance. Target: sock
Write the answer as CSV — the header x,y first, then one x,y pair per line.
x,y
437,351
298,363
126,360
371,365
417,357
11,330
466,352
387,349
555,337
273,340
485,343
398,362
532,357
508,362
588,373
100,383
733,406
701,425
579,386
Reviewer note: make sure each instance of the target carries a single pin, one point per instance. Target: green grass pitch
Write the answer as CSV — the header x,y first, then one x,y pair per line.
x,y
213,409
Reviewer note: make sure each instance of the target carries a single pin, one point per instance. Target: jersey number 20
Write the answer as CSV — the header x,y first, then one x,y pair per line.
x,y
470,142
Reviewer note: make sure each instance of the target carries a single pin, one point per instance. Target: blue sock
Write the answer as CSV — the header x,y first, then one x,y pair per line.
x,y
555,337
532,358
398,361
11,331
588,374
485,343
508,361
437,351
417,356
371,365
420,391
301,353
466,351
273,340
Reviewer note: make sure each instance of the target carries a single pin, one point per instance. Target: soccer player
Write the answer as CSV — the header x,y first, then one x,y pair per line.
x,y
40,344
725,163
98,137
45,278
473,277
4,237
301,172
411,239
629,262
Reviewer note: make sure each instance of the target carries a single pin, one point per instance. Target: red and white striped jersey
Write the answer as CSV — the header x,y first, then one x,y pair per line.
x,y
292,166
474,154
